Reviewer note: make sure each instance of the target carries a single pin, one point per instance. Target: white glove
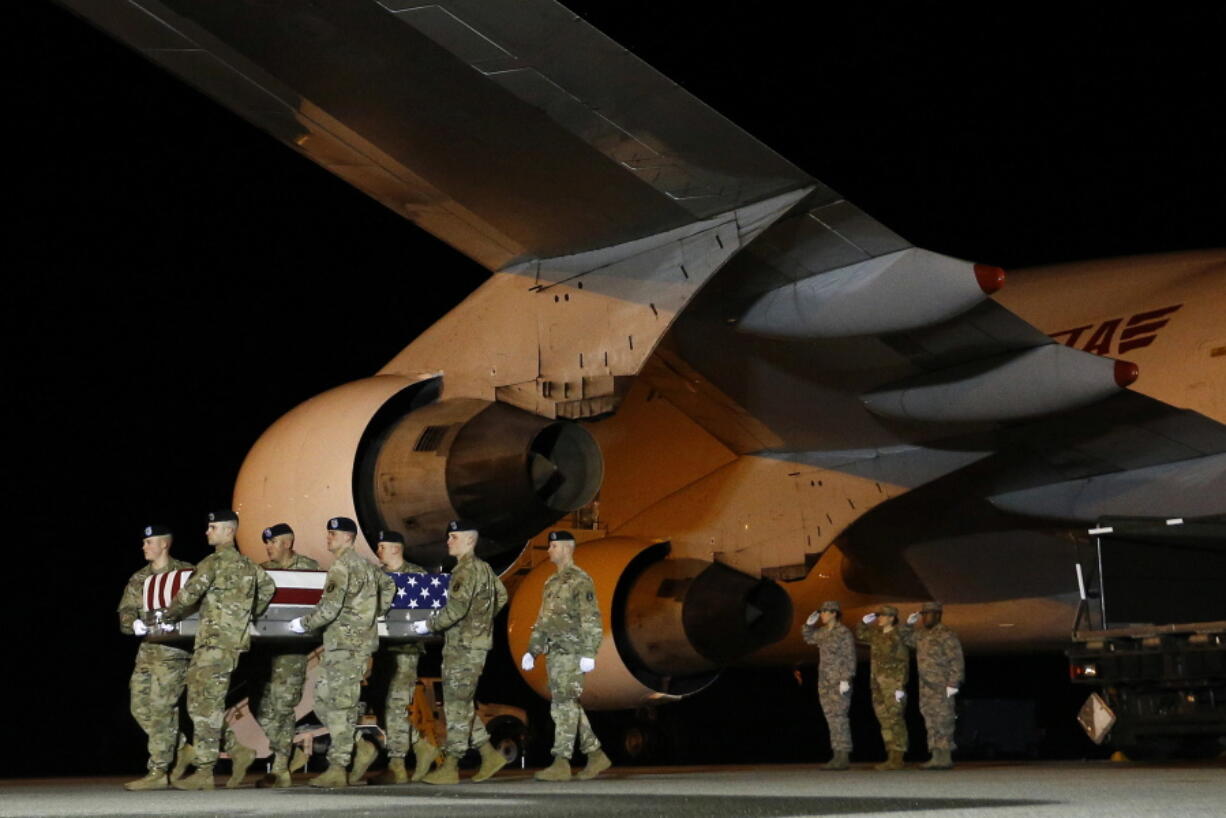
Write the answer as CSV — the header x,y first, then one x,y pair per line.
x,y
951,691
813,617
898,695
139,628
869,618
167,627
913,618
527,662
296,625
844,686
421,627
586,664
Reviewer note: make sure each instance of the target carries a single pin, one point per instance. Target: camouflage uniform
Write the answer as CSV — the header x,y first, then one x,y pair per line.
x,y
568,628
231,590
158,678
938,657
278,693
399,662
474,597
354,597
836,663
891,666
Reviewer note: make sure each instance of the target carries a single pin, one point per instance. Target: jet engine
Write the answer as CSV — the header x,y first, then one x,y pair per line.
x,y
670,625
387,452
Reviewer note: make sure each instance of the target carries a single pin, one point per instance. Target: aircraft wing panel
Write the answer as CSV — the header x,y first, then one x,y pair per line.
x,y
511,130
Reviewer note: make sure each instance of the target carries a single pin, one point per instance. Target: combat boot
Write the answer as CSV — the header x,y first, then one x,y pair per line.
x,y
241,758
426,753
332,778
362,758
491,762
839,761
187,754
894,762
446,773
201,779
153,780
597,763
559,770
277,779
299,760
940,761
394,774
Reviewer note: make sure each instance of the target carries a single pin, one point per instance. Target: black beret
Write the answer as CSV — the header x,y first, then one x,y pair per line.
x,y
224,516
276,531
462,525
391,536
157,531
561,536
342,524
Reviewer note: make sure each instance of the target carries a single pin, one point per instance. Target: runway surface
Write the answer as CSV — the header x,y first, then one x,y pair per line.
x,y
1066,790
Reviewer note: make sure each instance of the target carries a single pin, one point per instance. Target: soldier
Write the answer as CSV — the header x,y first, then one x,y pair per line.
x,y
158,678
938,657
891,664
279,692
568,629
354,598
474,597
836,668
231,590
400,661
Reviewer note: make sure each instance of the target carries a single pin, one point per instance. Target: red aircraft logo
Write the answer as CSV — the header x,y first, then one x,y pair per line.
x,y
1138,331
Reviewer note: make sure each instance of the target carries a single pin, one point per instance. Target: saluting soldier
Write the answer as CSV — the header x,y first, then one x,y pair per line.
x,y
230,590
569,632
279,691
161,670
399,662
890,666
836,668
938,657
354,598
474,597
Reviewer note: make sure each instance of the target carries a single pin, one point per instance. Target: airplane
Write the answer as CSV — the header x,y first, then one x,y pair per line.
x,y
744,394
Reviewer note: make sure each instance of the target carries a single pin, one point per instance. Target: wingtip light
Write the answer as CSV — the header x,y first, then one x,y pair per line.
x,y
990,278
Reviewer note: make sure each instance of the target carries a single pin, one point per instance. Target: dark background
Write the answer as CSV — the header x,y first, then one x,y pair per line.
x,y
176,280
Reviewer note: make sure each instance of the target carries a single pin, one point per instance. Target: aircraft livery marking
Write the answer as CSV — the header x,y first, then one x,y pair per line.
x,y
1139,330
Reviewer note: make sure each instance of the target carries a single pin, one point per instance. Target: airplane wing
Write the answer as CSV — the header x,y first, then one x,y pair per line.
x,y
511,131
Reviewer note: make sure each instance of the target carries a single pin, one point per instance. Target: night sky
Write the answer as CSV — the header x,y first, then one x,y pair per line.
x,y
181,280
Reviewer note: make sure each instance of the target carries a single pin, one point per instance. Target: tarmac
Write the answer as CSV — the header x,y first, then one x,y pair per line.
x,y
1064,789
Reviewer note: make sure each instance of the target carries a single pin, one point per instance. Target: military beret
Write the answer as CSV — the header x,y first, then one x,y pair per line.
x,y
276,531
391,536
342,524
223,516
887,610
561,536
461,525
931,606
156,531
831,605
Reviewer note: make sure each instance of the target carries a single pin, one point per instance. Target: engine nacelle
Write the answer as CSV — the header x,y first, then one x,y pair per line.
x,y
670,625
386,452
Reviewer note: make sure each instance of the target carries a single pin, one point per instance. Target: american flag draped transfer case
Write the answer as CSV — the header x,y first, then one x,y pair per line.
x,y
416,597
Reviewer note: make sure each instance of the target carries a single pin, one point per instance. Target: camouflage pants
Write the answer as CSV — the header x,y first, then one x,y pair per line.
x,y
154,690
890,712
402,684
208,680
569,720
938,712
835,706
461,669
278,698
337,699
